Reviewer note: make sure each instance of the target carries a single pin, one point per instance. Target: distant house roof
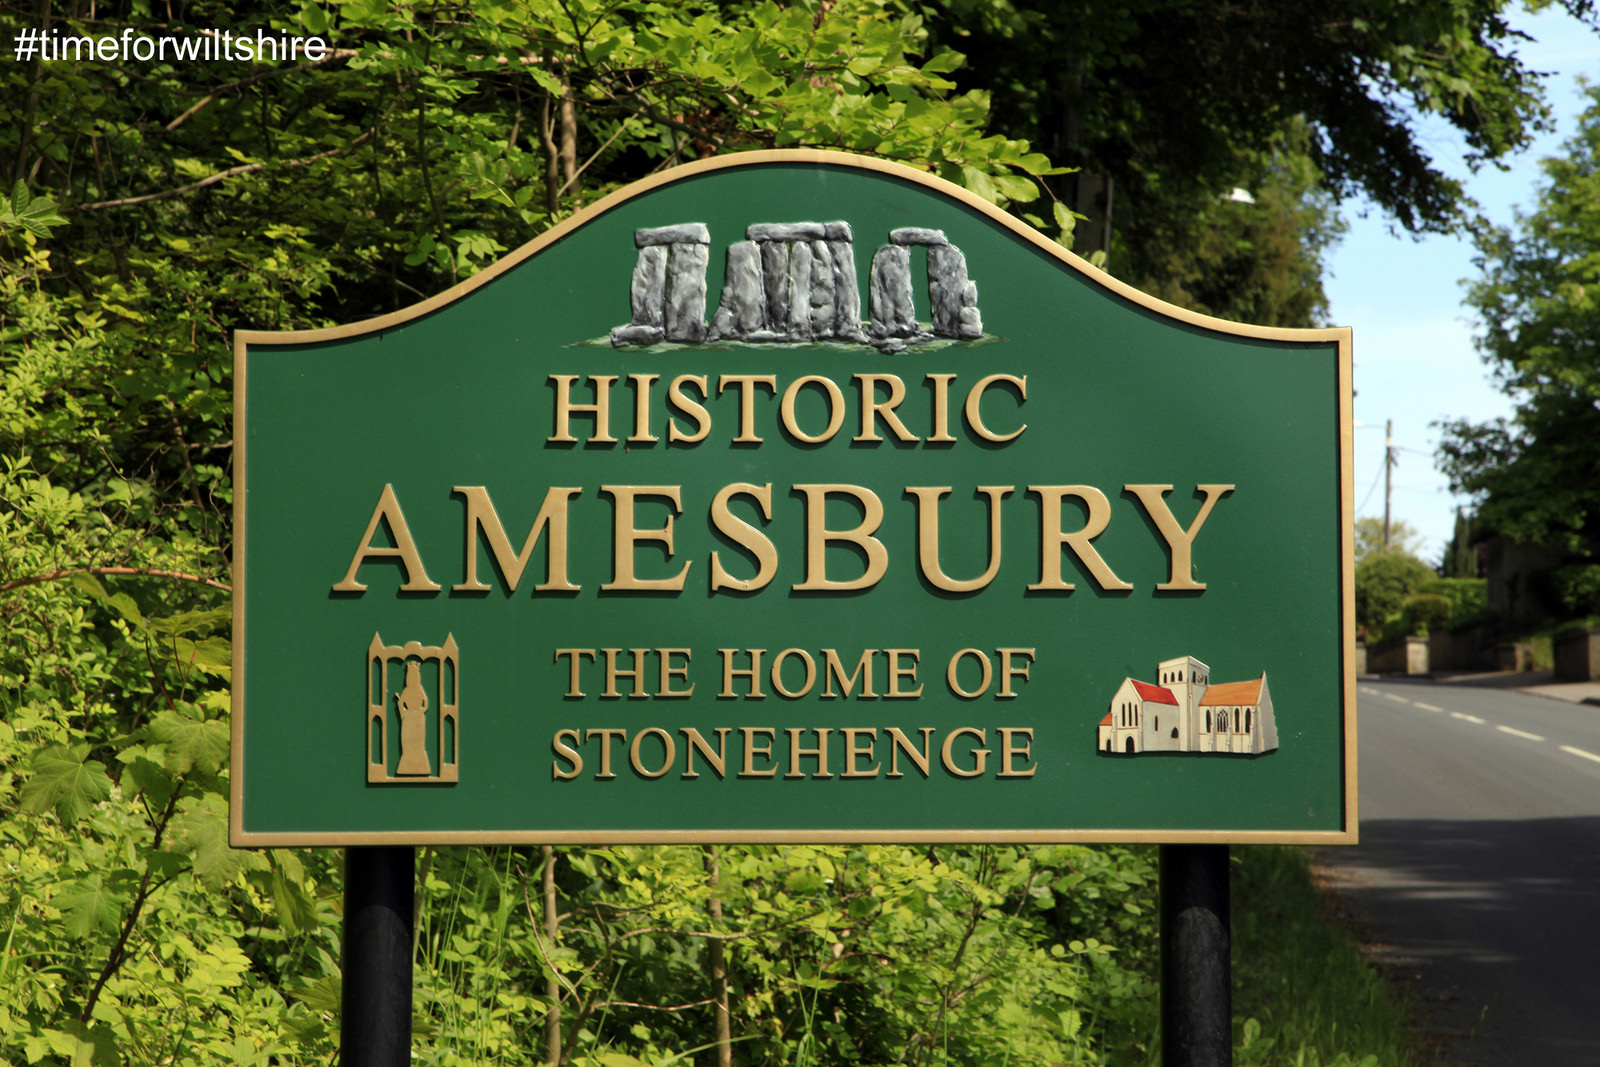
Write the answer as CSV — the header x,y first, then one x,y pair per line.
x,y
1154,693
1240,693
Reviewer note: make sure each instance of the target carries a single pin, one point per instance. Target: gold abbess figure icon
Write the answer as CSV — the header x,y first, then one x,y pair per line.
x,y
427,667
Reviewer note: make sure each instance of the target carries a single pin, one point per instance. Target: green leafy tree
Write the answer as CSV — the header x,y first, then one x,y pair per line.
x,y
1538,304
1461,554
1177,103
1384,583
1404,538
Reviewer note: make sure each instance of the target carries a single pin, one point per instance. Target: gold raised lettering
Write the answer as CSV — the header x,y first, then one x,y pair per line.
x,y
668,745
745,535
1008,752
641,408
405,549
1052,540
852,753
747,401
627,537
668,672
753,672
835,409
685,406
718,759
872,409
575,657
902,743
927,498
606,737
834,668
897,672
777,672
980,755
818,536
1180,542
600,410
975,401
751,752
481,515
820,753
567,752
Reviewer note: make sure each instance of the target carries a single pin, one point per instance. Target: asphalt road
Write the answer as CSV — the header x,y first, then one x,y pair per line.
x,y
1478,872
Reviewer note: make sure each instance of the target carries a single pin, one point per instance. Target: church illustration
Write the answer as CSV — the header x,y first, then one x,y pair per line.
x,y
1186,713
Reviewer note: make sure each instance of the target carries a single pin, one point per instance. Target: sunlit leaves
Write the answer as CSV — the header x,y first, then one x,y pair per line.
x,y
93,902
64,779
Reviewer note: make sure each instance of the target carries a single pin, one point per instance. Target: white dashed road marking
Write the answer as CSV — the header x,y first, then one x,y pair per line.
x,y
1397,700
1466,718
1428,707
1519,733
1580,752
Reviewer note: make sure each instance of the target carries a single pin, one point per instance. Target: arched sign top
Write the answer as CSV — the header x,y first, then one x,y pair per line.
x,y
785,496
821,158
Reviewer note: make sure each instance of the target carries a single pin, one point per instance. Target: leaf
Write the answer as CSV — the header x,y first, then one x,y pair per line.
x,y
191,744
91,903
65,780
200,830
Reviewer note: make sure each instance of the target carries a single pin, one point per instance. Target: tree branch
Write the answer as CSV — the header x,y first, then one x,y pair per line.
x,y
138,572
223,175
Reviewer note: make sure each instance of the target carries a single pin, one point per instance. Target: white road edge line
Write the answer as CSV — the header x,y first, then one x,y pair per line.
x,y
1519,733
1428,707
1466,718
1580,752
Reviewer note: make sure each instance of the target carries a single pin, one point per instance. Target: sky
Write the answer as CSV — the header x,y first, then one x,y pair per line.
x,y
1412,334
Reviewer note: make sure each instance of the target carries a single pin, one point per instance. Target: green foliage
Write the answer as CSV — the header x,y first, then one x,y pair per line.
x,y
1461,554
1466,599
33,214
1539,308
1384,582
1578,586
1320,1003
1403,538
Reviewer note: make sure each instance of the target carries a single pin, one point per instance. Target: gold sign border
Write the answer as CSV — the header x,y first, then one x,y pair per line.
x,y
1340,336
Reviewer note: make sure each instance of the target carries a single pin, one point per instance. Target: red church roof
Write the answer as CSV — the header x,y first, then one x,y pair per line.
x,y
1240,693
1107,720
1154,693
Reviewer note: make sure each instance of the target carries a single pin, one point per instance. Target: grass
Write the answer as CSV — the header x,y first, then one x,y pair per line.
x,y
1303,993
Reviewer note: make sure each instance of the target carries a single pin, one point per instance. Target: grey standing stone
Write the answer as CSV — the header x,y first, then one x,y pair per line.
x,y
846,291
798,325
823,312
775,277
947,284
742,308
684,233
786,231
889,293
649,286
917,235
636,335
686,293
971,323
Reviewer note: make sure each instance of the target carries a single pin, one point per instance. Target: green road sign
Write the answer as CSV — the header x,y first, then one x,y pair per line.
x,y
793,496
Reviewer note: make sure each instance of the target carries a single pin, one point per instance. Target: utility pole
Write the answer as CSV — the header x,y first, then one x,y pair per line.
x,y
1388,479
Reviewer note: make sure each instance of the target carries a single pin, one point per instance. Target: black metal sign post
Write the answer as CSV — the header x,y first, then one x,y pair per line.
x,y
375,1000
1196,973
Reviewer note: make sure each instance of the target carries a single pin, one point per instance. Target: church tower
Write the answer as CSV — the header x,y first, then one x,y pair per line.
x,y
1187,677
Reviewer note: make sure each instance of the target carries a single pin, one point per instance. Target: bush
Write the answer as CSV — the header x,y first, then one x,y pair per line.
x,y
1578,586
1468,599
1384,582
